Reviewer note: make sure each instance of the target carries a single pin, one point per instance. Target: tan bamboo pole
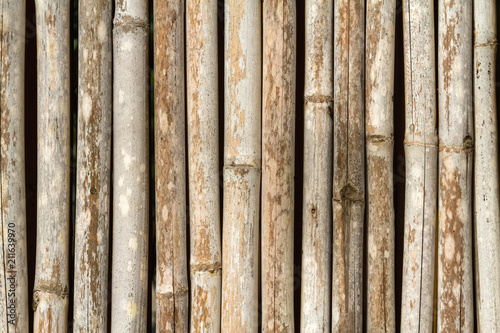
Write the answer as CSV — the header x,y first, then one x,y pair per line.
x,y
421,167
50,299
130,167
203,143
380,47
93,166
348,166
170,145
486,178
316,232
242,165
13,271
455,293
278,164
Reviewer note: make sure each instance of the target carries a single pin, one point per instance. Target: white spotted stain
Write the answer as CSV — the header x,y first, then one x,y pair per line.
x,y
123,204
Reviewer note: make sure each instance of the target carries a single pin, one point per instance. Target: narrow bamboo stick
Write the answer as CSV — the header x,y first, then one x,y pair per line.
x,y
487,202
455,293
203,143
421,167
278,171
50,299
170,148
316,281
380,47
130,167
93,166
13,271
348,167
242,165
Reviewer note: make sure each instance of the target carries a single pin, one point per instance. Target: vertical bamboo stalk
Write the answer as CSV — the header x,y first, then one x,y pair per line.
x,y
380,47
13,272
348,166
203,143
421,167
278,171
50,299
130,167
317,212
242,165
170,147
487,202
93,166
455,293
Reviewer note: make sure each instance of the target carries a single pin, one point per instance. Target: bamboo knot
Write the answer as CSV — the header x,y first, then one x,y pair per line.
x,y
210,268
351,193
49,288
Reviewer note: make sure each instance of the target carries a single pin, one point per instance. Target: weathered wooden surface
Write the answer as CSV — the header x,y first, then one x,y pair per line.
x,y
93,166
13,264
380,47
278,160
455,293
130,167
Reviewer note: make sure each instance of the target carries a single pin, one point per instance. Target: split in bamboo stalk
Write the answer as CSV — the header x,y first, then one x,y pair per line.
x,y
203,143
13,264
487,196
170,148
348,166
421,167
242,163
380,47
50,299
130,167
278,171
455,291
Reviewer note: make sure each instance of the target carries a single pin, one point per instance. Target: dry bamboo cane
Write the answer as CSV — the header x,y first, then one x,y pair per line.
x,y
421,167
50,299
455,293
317,212
130,167
380,46
278,171
242,163
93,166
348,167
203,143
13,271
487,202
170,145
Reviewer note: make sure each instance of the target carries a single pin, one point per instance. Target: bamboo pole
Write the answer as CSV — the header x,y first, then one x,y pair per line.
x,y
13,271
203,143
317,212
421,167
348,166
170,145
242,165
380,47
486,178
455,293
130,167
278,171
93,166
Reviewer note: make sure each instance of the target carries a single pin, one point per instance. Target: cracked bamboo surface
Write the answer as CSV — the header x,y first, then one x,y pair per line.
x,y
380,47
203,143
130,167
93,166
486,178
455,293
14,310
316,282
348,166
421,167
50,299
242,163
278,145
